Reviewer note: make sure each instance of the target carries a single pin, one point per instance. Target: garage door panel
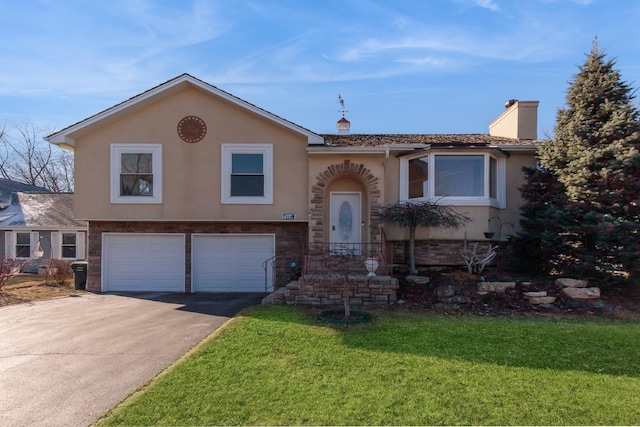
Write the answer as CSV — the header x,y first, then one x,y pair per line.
x,y
143,262
230,263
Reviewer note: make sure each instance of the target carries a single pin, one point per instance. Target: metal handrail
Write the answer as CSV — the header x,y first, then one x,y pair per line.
x,y
266,273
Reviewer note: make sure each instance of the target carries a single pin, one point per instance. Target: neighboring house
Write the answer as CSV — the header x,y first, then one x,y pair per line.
x,y
8,187
35,222
188,188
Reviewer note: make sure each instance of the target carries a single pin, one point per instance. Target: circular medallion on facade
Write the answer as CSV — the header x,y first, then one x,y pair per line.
x,y
192,129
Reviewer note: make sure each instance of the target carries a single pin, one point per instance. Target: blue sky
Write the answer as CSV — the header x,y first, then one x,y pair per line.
x,y
402,66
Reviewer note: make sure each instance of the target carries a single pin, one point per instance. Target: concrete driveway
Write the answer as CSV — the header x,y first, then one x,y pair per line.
x,y
65,362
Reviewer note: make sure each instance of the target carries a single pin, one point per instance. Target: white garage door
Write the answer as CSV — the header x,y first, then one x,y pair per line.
x,y
143,262
230,262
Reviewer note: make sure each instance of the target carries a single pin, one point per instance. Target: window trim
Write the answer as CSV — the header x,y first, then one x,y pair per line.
x,y
116,167
62,245
225,180
31,244
11,239
486,200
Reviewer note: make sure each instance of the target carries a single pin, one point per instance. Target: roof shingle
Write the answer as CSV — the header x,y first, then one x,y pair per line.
x,y
377,140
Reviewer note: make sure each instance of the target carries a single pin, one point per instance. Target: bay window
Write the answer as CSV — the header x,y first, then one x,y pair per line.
x,y
462,178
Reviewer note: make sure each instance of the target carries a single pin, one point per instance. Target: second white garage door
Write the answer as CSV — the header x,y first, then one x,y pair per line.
x,y
230,262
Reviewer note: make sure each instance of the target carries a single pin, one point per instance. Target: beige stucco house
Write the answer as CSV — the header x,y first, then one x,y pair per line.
x,y
188,188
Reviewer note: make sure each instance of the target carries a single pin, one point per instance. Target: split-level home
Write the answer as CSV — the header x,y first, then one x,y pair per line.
x,y
187,188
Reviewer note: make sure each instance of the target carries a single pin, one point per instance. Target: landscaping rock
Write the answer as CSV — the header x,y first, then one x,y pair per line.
x,y
538,294
446,307
445,291
581,293
542,300
498,287
458,299
418,280
589,305
566,282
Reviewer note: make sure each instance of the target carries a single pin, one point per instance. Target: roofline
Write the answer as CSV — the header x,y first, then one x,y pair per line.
x,y
405,148
517,147
43,228
63,137
346,150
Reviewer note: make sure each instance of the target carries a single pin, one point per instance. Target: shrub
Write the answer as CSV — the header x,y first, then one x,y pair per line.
x,y
8,269
60,271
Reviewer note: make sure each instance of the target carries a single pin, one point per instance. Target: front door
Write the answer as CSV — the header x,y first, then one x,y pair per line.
x,y
346,217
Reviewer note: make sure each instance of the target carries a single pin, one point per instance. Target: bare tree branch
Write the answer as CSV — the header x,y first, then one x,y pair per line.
x,y
26,157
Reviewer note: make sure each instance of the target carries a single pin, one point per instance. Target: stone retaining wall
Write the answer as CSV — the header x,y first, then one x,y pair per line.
x,y
328,290
445,252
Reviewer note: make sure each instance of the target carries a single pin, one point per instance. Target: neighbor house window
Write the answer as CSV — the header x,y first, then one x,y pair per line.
x,y
457,179
23,245
69,245
136,173
247,173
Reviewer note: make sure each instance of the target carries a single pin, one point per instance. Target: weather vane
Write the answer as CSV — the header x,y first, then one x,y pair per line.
x,y
341,102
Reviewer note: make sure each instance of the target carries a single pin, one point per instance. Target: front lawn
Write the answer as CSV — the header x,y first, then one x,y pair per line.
x,y
279,366
25,288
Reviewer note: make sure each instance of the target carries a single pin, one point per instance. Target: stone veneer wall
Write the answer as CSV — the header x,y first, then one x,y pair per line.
x,y
444,252
319,198
328,290
290,241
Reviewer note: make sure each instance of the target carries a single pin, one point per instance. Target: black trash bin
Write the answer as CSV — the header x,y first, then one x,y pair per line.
x,y
80,274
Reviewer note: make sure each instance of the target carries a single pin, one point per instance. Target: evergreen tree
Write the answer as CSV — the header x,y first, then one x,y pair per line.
x,y
597,134
596,156
539,244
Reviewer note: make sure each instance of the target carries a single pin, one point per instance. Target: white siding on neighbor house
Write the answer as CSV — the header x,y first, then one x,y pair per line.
x,y
143,262
231,262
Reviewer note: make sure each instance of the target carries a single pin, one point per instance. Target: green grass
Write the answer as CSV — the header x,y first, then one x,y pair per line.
x,y
279,366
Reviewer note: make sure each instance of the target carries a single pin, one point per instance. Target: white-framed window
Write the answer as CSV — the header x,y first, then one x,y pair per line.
x,y
136,173
460,178
23,245
68,244
247,174
20,244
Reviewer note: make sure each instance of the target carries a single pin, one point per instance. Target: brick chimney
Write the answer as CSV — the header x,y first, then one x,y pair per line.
x,y
518,121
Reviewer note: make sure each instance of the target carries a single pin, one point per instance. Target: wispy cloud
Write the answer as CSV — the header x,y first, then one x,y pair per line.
x,y
485,4
111,49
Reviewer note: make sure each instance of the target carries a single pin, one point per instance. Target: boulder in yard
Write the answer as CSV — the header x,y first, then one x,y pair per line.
x,y
542,300
498,287
458,299
418,280
538,294
582,293
566,282
445,291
